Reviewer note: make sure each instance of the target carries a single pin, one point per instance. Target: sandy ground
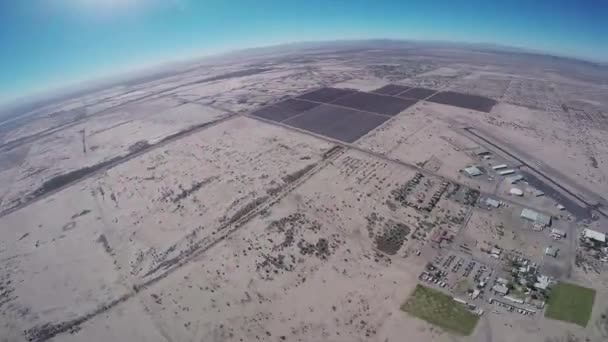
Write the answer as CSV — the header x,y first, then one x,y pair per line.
x,y
248,231
99,139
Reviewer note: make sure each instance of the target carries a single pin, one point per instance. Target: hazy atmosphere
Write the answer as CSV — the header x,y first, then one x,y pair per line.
x,y
48,44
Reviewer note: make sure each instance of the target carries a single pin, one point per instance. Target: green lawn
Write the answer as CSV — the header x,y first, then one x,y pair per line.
x,y
439,309
570,303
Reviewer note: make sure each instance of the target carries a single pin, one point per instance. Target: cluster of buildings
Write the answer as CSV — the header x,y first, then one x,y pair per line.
x,y
527,286
502,170
595,244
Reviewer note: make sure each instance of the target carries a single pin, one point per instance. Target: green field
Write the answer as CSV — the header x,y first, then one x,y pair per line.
x,y
570,303
439,309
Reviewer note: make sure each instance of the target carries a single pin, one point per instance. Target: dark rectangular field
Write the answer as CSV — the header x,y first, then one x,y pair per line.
x,y
284,109
417,93
338,123
391,89
474,102
381,104
325,95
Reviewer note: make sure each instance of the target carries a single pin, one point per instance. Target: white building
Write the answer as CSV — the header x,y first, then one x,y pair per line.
x,y
500,289
506,172
492,203
542,282
558,233
495,251
514,300
499,167
516,192
536,217
473,171
594,235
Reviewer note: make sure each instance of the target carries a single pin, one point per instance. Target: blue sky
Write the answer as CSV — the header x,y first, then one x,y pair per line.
x,y
50,43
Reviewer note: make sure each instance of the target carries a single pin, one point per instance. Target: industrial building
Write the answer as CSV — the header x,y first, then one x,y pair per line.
x,y
535,217
594,235
473,171
506,172
499,167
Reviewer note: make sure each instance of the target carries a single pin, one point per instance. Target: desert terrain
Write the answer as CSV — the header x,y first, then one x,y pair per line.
x,y
328,193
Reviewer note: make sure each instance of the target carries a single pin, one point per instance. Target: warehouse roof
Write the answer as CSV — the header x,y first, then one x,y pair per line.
x,y
506,172
594,235
532,215
501,289
473,171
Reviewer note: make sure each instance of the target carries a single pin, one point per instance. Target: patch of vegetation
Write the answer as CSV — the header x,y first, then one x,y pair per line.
x,y
139,146
249,207
292,177
392,238
441,310
570,303
82,213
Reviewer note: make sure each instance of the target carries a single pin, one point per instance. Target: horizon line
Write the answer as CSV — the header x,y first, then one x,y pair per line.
x,y
114,76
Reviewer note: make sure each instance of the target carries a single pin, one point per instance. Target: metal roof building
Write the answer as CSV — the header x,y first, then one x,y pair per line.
x,y
594,235
473,171
500,289
550,251
499,167
533,216
506,172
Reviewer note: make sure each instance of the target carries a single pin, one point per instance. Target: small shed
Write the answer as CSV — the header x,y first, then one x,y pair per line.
x,y
558,233
551,251
506,172
492,203
516,192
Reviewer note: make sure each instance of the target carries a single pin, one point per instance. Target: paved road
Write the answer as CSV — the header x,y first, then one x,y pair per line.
x,y
391,160
588,194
